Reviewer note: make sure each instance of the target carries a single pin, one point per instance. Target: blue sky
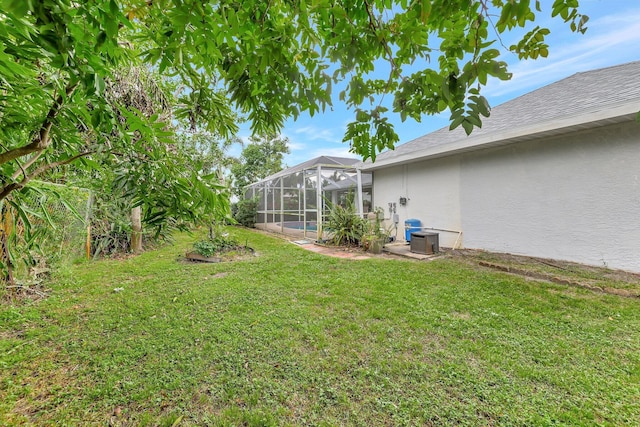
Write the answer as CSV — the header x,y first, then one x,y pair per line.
x,y
613,37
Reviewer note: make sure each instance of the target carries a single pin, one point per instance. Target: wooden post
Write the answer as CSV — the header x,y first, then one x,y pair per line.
x,y
88,242
136,230
87,220
6,227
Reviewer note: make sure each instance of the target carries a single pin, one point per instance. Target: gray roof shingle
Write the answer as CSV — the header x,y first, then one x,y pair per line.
x,y
579,98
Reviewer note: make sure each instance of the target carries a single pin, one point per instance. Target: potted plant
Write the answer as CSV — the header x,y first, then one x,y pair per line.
x,y
377,235
376,245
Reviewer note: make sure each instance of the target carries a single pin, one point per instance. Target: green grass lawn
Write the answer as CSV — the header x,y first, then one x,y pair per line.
x,y
295,338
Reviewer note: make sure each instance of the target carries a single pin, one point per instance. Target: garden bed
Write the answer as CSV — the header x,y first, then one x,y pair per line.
x,y
233,254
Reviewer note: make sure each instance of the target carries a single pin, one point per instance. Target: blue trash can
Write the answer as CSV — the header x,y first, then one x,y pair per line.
x,y
411,226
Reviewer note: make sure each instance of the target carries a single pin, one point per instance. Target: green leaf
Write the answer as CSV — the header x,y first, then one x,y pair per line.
x,y
114,8
99,85
456,122
362,116
101,38
483,106
468,126
18,7
111,28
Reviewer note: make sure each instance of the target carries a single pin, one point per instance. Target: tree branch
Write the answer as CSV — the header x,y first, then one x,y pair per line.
x,y
24,167
374,27
7,189
394,67
485,10
41,140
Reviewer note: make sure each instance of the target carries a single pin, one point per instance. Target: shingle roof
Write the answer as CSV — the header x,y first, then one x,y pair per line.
x,y
583,99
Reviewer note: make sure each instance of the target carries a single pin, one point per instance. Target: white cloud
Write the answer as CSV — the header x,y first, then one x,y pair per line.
x,y
296,145
314,133
309,141
341,151
297,157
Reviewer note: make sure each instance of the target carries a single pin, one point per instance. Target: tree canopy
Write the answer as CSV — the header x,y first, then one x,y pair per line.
x,y
221,61
268,60
277,59
260,158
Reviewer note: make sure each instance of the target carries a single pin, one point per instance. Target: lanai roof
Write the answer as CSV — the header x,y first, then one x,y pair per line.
x,y
328,161
583,100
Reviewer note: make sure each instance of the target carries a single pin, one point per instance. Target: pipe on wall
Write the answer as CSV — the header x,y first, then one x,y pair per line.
x,y
455,244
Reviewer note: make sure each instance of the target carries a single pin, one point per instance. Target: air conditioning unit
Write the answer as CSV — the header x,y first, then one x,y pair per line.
x,y
425,243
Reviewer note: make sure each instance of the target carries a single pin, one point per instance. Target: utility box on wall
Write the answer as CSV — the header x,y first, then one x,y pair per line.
x,y
425,243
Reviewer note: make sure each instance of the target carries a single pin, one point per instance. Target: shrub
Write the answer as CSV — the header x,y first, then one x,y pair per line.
x,y
345,225
245,211
219,243
110,226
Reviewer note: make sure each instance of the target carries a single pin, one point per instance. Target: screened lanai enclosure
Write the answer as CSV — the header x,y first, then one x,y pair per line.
x,y
295,201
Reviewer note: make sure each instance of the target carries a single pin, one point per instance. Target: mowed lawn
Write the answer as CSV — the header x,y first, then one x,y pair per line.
x,y
291,337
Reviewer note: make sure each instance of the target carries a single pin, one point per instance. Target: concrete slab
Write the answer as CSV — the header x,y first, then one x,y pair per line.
x,y
303,242
402,249
395,249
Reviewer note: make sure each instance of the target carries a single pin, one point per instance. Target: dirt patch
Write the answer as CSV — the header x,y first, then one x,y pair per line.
x,y
236,254
23,293
346,252
597,279
37,396
461,316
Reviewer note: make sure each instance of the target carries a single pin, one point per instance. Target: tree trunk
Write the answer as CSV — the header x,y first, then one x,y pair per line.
x,y
136,230
4,244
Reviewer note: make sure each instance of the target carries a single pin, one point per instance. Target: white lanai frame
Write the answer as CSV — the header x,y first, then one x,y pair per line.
x,y
294,200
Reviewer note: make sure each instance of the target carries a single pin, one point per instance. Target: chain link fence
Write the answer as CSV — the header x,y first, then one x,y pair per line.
x,y
59,217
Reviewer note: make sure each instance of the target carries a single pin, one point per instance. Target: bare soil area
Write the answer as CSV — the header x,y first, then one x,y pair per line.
x,y
599,279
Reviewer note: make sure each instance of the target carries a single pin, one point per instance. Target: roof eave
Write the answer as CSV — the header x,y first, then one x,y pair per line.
x,y
481,142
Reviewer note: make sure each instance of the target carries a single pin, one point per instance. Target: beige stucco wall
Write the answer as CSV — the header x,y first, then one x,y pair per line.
x,y
574,198
432,192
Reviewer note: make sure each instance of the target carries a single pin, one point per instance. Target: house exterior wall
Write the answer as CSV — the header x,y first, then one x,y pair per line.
x,y
574,198
432,191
